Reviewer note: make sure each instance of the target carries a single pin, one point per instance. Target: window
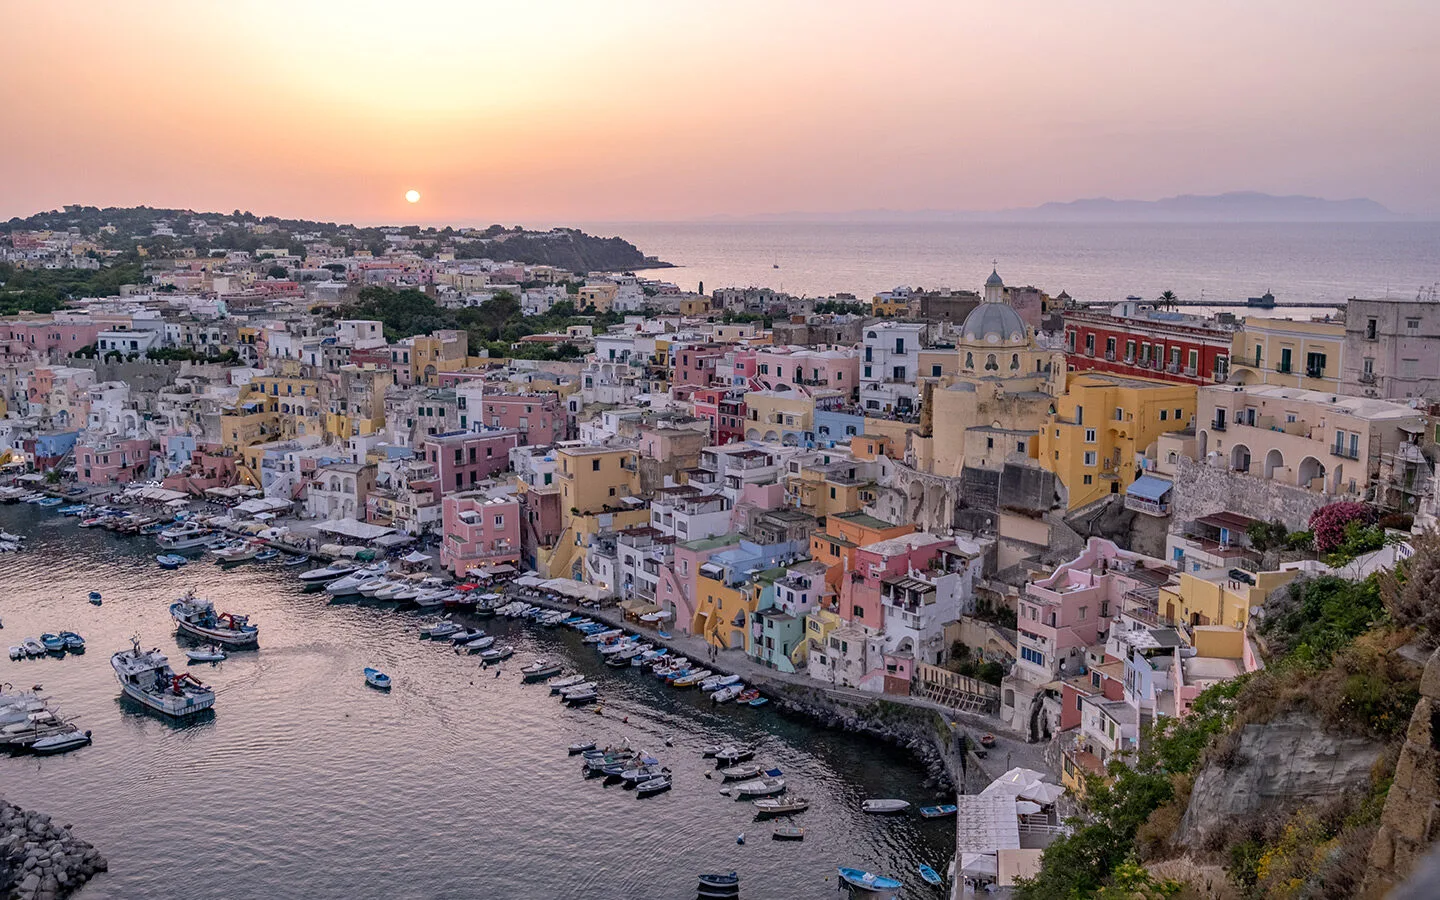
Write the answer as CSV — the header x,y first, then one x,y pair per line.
x,y
1129,351
499,521
1284,366
1079,417
970,360
1314,365
1110,348
1089,435
1370,366
899,373
867,371
1089,479
859,613
1412,326
1371,327
1032,656
1354,446
1164,414
989,443
934,371
1090,344
612,492
1090,457
594,465
1179,414
1019,446
1119,413
1144,354
1408,367
1194,364
899,345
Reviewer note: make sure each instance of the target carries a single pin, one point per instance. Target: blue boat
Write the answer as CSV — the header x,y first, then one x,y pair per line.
x,y
266,555
73,510
95,597
170,560
377,679
760,701
53,642
930,875
73,642
50,501
938,812
868,881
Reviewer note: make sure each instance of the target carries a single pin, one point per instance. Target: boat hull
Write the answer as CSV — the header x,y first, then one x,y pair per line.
x,y
175,707
225,636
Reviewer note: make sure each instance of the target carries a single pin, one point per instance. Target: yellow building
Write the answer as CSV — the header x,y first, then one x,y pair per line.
x,y
567,558
1216,597
718,606
357,402
828,488
779,416
594,479
818,625
1103,424
890,304
440,351
1288,353
600,296
695,306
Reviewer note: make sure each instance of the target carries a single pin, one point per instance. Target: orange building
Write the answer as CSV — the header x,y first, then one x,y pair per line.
x,y
844,532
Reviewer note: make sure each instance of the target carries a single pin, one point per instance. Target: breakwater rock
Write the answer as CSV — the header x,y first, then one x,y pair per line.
x,y
920,732
40,860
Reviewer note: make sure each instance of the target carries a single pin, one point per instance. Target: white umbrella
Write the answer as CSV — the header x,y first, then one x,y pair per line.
x,y
415,556
1026,808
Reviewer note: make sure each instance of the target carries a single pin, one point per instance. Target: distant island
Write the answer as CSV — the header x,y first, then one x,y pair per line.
x,y
1236,206
163,230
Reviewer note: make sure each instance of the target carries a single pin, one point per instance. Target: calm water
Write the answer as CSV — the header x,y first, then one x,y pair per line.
x,y
455,784
1298,262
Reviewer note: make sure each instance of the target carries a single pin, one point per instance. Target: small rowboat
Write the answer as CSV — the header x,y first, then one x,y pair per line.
x,y
170,560
781,806
205,654
789,833
938,812
868,881
930,875
653,786
882,807
581,747
377,679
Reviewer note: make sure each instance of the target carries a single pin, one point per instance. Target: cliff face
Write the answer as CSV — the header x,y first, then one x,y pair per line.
x,y
1410,822
1275,767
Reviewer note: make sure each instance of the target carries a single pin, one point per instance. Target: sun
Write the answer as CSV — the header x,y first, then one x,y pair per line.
x,y
412,196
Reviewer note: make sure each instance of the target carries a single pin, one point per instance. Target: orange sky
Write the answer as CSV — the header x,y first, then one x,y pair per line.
x,y
548,111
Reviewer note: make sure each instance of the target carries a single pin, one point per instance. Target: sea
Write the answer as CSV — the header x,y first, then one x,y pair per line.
x,y
305,782
1311,263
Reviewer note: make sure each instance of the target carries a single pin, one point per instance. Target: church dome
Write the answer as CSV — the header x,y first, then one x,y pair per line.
x,y
994,279
994,323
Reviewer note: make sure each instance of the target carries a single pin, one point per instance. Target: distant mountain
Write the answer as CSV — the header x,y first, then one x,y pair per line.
x,y
1236,206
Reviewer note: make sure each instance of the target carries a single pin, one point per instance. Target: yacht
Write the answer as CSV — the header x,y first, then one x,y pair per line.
x,y
185,536
350,584
196,617
327,573
239,551
146,676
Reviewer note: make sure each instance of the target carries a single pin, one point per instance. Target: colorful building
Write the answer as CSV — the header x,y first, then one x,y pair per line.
x,y
480,531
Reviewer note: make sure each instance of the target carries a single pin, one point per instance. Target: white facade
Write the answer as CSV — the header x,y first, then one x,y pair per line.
x,y
889,363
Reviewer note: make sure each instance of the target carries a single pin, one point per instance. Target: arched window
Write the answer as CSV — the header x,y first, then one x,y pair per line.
x,y
1014,362
991,364
969,360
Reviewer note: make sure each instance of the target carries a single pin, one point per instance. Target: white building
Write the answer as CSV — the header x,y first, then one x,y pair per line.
x,y
889,364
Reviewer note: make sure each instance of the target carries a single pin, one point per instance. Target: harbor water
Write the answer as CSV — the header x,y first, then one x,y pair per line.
x,y
304,781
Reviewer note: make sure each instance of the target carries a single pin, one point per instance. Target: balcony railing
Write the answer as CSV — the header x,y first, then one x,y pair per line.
x,y
1109,355
1367,378
1218,424
1345,452
1314,373
1149,507
1173,368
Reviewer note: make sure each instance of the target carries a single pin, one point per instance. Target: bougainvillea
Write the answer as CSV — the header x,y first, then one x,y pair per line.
x,y
1329,521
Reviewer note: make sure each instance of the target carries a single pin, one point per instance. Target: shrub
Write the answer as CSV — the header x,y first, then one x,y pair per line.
x,y
1411,588
1300,540
1329,521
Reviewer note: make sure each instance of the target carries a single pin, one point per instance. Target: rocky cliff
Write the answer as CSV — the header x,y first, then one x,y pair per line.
x,y
1271,769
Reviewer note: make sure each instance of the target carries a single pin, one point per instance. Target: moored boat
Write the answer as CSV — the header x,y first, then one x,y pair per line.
x,y
761,787
726,694
788,833
327,573
63,742
566,682
146,676
185,536
731,754
441,629
196,616
539,670
930,875
581,747
170,560
73,642
653,786
497,654
884,806
868,881
376,678
781,806
938,812
32,647
213,653
53,643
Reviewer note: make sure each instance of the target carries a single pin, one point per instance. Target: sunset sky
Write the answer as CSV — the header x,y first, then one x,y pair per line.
x,y
541,111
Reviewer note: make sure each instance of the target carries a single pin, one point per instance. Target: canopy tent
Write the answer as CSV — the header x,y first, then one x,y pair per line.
x,y
636,606
271,534
493,571
415,557
263,505
360,531
393,540
330,549
225,492
1026,807
981,864
569,587
1043,793
176,504
530,580
264,517
32,477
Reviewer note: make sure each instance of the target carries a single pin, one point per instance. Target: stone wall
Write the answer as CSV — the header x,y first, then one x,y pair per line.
x,y
1410,821
145,376
1201,490
41,860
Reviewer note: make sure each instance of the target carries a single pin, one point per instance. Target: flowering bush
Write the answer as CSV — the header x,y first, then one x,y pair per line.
x,y
1329,521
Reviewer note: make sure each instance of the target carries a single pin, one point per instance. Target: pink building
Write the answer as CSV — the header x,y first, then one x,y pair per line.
x,y
479,531
781,368
860,591
540,418
463,459
725,408
695,363
106,461
45,337
676,589
207,469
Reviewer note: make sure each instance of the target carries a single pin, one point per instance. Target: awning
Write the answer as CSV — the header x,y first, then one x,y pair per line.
x,y
263,505
414,557
1148,487
264,517
393,540
362,531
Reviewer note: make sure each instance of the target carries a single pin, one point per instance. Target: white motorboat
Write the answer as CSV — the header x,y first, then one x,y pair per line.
x,y
16,652
497,654
431,598
884,807
441,629
328,573
377,586
405,592
732,754
761,787
60,743
720,681
185,536
196,616
376,678
239,551
205,654
480,643
32,647
600,637
466,635
726,694
581,747
578,688
566,682
586,696
146,676
344,587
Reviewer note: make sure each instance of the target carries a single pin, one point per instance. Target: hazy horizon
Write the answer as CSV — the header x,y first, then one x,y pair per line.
x,y
647,111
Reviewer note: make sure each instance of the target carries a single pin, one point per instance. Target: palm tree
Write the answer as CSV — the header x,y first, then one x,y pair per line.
x,y
1167,299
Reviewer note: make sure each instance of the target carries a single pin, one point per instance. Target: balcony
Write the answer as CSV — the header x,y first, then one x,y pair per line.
x,y
1129,360
1283,368
1173,368
1345,453
1109,355
1218,424
1090,352
1148,507
1314,373
1367,378
1191,372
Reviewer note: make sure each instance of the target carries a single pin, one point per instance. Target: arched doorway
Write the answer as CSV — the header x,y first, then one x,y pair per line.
x,y
1273,460
1310,469
1240,458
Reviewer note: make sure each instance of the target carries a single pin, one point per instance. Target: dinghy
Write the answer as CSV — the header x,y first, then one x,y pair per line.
x,y
377,679
788,833
868,881
205,654
884,807
930,875
938,812
781,806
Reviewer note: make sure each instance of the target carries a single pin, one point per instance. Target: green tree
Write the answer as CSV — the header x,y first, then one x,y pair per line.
x,y
1166,300
278,272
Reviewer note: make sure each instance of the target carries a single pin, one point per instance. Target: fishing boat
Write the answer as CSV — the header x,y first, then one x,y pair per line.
x,y
719,682
53,643
185,536
583,695
196,617
692,679
938,812
267,554
732,754
63,742
577,689
238,551
638,775
868,881
719,885
170,560
483,642
94,598
711,750
376,678
32,647
884,807
741,772
466,635
209,654
930,875
725,695
73,642
566,682
601,637
581,747
50,501
497,654
781,806
761,787
328,573
441,629
146,676
297,559
788,833
540,669
653,786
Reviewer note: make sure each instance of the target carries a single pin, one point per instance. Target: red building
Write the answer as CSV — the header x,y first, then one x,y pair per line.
x,y
464,458
725,408
1149,344
695,363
